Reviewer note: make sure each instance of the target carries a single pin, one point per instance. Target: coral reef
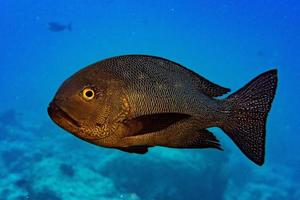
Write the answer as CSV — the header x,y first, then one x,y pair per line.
x,y
67,170
50,164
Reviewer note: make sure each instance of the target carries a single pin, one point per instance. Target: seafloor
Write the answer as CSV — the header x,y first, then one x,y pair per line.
x,y
41,162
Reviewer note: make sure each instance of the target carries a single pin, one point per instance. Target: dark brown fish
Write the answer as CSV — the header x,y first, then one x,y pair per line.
x,y
135,102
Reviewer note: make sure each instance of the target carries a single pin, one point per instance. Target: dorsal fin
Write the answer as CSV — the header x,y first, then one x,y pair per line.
x,y
207,87
213,89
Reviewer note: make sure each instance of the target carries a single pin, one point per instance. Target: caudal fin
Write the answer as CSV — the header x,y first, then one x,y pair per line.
x,y
246,124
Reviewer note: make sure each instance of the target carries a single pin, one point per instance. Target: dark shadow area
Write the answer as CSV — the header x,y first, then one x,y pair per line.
x,y
161,180
67,170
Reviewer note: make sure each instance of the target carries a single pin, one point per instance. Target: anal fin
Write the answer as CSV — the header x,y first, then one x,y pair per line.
x,y
189,138
198,139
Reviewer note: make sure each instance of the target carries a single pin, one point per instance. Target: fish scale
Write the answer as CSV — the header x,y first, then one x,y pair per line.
x,y
144,101
128,69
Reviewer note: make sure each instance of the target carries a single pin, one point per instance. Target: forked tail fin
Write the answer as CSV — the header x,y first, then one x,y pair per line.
x,y
246,124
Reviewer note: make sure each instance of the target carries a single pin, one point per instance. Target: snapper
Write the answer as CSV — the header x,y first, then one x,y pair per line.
x,y
135,102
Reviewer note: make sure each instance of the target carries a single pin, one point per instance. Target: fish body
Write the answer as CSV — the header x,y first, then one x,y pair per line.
x,y
58,27
135,102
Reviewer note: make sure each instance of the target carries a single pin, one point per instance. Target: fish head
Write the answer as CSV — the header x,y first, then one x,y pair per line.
x,y
88,104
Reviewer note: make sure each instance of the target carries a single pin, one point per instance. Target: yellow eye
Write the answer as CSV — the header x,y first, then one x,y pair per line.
x,y
88,94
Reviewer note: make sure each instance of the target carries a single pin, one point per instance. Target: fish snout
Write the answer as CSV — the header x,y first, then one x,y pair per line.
x,y
51,109
60,116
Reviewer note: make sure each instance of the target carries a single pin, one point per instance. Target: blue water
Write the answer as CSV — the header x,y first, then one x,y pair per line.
x,y
228,42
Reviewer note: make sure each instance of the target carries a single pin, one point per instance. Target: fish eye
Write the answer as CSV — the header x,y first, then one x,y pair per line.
x,y
88,94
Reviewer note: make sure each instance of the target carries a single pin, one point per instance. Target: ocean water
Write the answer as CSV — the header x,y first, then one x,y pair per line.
x,y
228,42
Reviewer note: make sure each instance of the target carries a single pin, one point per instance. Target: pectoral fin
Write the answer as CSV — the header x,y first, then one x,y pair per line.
x,y
153,123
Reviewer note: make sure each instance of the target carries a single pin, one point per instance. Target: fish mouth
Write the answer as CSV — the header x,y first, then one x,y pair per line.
x,y
59,116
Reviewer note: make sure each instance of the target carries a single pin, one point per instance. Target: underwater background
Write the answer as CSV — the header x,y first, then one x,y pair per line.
x,y
228,42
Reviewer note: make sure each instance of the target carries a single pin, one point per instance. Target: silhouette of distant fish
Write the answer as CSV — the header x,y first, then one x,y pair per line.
x,y
58,27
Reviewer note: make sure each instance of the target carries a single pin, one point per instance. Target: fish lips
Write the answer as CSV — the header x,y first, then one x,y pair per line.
x,y
62,118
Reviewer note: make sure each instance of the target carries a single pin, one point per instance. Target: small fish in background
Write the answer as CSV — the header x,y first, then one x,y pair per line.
x,y
135,102
58,27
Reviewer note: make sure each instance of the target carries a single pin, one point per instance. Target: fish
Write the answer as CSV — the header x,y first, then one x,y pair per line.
x,y
58,27
136,102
